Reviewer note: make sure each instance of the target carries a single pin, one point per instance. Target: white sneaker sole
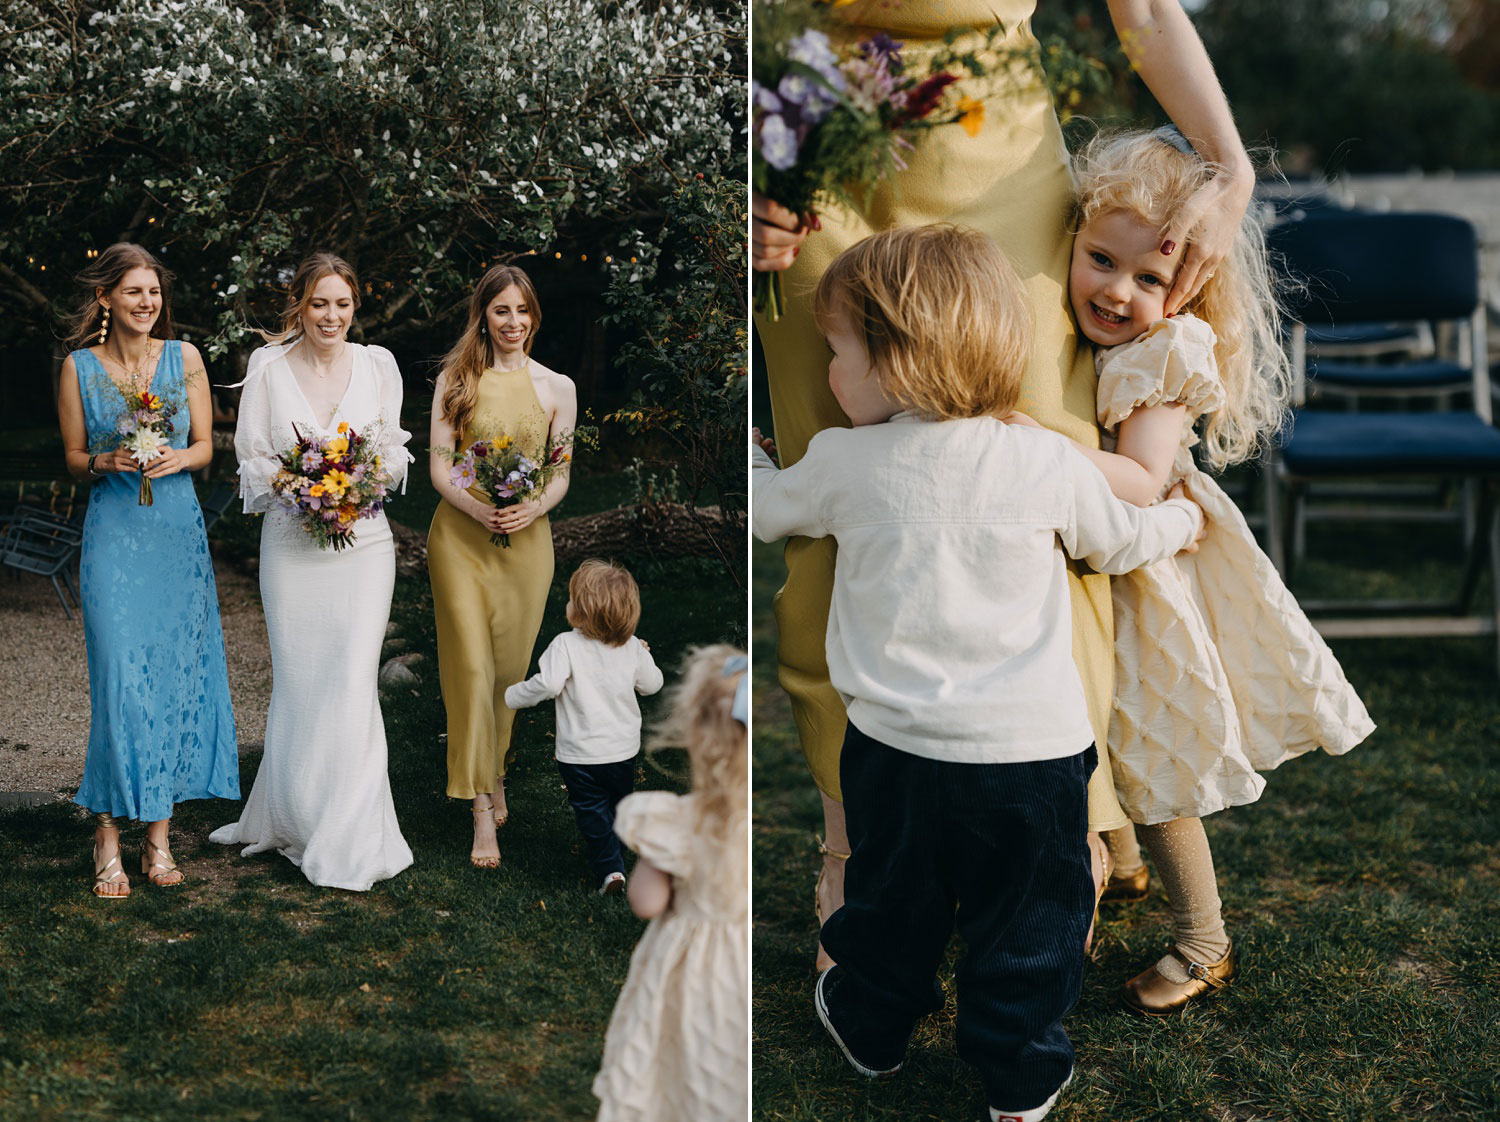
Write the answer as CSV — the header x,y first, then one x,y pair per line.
x,y
867,1072
1036,1113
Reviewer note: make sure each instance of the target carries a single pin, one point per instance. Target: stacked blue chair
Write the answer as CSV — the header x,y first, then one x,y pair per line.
x,y
1383,268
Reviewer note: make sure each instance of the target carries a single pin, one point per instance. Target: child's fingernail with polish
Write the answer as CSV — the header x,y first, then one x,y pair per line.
x,y
1167,247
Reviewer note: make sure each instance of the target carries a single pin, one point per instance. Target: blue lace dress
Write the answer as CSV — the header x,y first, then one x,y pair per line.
x,y
161,729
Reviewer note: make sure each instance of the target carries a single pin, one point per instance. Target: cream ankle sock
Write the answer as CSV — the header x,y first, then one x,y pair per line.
x,y
1180,852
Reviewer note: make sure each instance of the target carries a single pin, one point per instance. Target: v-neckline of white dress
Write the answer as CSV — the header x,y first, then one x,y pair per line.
x,y
349,385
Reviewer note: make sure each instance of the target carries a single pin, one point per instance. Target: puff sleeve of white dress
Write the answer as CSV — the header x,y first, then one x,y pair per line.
x,y
677,1045
1219,675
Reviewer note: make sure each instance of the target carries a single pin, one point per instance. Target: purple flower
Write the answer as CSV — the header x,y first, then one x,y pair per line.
x,y
128,425
764,99
812,49
311,460
778,143
463,474
883,46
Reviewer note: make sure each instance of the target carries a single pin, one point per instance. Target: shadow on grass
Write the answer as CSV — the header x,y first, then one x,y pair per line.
x,y
1362,893
448,992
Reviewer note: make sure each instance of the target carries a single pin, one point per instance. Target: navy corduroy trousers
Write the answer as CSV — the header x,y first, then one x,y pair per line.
x,y
594,790
998,850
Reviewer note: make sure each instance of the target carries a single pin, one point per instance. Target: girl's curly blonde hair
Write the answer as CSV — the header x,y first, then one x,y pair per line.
x,y
1146,175
700,718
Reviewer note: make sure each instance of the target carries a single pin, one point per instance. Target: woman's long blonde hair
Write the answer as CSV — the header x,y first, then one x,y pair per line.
x,y
299,293
700,718
106,271
1146,175
469,358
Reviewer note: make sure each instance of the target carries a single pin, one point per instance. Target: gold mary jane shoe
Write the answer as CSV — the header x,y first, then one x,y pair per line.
x,y
1156,996
824,960
158,867
1127,888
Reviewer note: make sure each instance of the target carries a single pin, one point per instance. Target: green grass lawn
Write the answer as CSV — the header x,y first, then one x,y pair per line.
x,y
446,993
1363,893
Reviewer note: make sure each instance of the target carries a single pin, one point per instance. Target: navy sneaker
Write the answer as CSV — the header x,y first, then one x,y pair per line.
x,y
866,1055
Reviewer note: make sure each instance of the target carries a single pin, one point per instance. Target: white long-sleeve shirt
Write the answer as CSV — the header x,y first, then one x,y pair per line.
x,y
950,630
598,719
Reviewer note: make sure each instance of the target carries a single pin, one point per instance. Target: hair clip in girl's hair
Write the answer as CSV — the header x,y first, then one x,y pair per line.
x,y
1169,134
740,710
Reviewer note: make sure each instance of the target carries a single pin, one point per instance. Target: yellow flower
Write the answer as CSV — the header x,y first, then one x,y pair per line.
x,y
335,483
316,489
337,447
343,426
502,444
971,115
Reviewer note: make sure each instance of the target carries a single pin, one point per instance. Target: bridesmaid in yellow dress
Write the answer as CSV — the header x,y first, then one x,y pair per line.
x,y
488,599
1012,182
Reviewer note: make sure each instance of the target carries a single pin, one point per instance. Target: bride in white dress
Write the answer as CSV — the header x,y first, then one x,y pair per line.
x,y
322,796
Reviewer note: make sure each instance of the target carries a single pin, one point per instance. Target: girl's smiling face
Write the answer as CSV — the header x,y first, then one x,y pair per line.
x,y
1119,278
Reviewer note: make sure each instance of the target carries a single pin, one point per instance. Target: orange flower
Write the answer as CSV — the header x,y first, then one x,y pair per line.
x,y
971,115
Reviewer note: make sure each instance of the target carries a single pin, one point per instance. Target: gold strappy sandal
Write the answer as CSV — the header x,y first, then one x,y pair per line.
x,y
157,865
502,813
824,960
485,862
112,873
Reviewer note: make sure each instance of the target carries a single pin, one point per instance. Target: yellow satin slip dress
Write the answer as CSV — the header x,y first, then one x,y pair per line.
x,y
1012,182
488,599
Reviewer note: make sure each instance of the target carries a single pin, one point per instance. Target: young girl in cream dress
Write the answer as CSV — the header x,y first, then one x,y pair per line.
x,y
1218,673
677,1049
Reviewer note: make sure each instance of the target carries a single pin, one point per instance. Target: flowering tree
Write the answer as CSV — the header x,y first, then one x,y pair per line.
x,y
420,140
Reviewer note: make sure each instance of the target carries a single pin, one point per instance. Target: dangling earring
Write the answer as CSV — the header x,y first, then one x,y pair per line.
x,y
103,326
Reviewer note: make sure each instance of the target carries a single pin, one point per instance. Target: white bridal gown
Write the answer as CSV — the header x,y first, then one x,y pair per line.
x,y
322,796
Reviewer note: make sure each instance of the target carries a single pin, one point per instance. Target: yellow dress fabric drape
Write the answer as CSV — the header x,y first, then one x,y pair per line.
x,y
1012,182
488,600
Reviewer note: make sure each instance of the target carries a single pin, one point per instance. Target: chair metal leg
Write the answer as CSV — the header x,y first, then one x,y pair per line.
x,y
1296,518
61,599
1271,487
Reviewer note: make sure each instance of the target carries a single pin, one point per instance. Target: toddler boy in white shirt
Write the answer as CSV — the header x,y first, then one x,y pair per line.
x,y
595,672
968,752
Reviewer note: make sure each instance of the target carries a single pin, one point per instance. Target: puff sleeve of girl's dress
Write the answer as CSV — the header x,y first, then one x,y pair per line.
x,y
659,826
253,445
395,457
1173,362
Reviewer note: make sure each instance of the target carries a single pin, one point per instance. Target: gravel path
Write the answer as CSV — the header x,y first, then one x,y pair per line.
x,y
44,702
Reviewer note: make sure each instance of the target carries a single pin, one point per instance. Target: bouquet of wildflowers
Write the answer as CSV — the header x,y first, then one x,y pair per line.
x,y
145,429
829,122
333,482
506,474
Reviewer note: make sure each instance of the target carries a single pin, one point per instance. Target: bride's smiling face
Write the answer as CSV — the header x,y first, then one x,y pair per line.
x,y
508,321
328,312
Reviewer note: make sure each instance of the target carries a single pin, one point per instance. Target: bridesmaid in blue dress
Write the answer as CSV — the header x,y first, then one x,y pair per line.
x,y
161,727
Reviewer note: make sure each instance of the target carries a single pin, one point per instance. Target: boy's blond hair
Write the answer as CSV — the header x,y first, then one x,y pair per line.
x,y
945,321
606,602
1148,176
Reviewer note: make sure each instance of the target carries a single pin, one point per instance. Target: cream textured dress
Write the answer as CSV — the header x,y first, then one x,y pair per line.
x,y
1218,673
678,1043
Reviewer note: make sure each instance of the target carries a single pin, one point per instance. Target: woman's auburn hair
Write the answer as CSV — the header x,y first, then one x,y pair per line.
x,y
299,293
700,717
945,321
106,272
469,358
1149,178
606,601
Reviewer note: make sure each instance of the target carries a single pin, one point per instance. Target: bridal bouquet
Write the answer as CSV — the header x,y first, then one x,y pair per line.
x,y
505,474
333,482
832,122
145,429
